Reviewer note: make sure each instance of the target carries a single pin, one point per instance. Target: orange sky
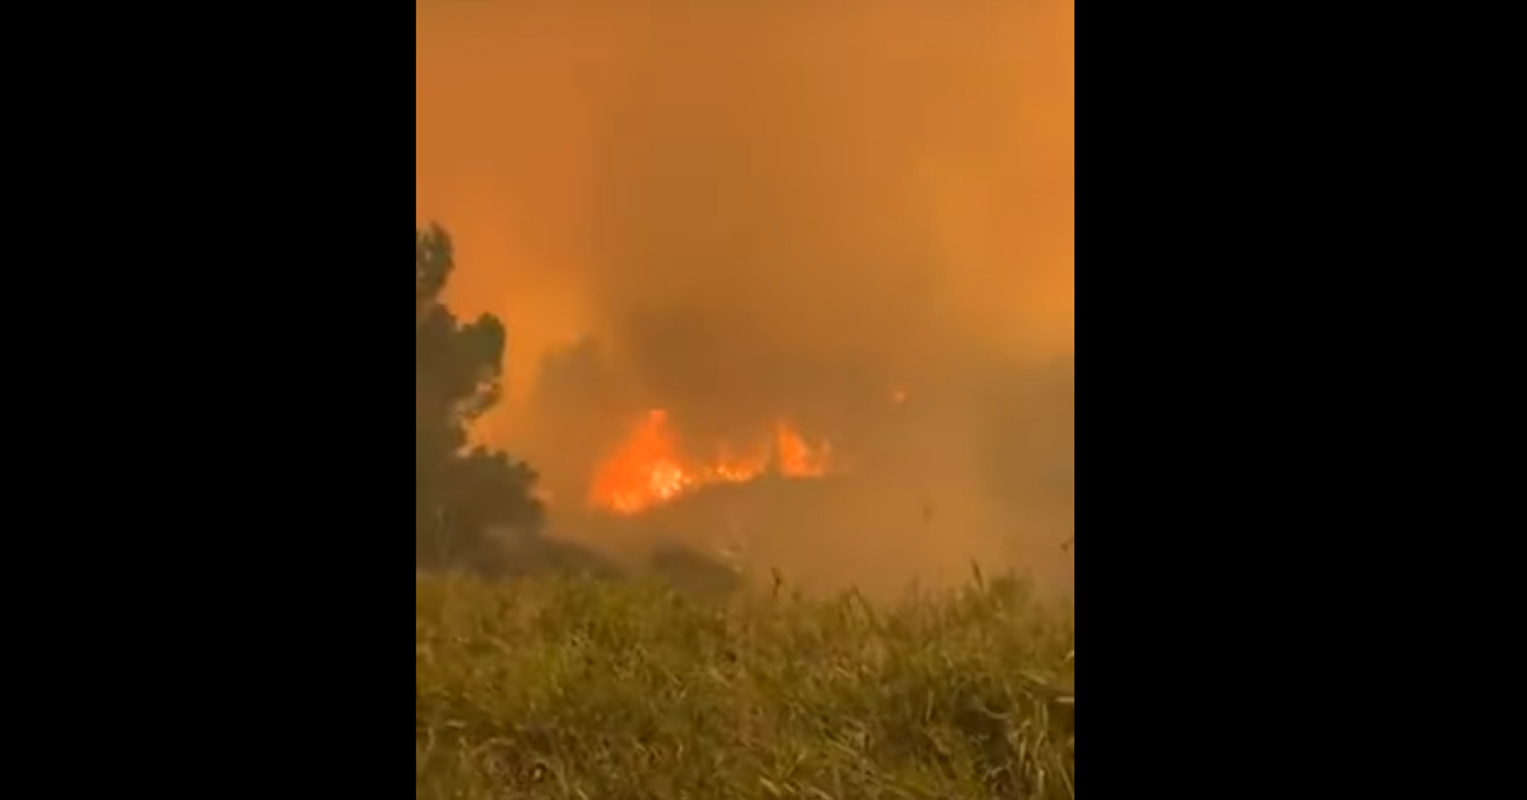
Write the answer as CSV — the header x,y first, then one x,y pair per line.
x,y
779,207
863,178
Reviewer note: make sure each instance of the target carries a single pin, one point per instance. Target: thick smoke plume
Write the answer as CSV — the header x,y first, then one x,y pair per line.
x,y
756,209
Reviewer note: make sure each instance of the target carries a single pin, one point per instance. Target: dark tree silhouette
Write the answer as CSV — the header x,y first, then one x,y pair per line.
x,y
465,498
461,495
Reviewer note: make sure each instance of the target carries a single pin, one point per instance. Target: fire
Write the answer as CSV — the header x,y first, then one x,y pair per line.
x,y
650,468
797,459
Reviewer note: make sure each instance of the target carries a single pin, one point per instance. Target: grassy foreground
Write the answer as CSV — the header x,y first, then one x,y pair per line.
x,y
607,691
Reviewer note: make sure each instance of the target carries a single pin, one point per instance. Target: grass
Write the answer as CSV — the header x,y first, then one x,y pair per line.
x,y
565,688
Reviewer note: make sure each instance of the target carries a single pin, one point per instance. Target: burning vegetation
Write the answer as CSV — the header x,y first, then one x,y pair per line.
x,y
652,466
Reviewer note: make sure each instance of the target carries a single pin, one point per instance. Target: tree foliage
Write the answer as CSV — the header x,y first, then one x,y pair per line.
x,y
462,494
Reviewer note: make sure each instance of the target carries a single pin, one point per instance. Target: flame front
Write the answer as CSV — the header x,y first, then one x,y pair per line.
x,y
644,471
649,468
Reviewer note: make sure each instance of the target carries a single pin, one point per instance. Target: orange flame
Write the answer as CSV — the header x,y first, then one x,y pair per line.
x,y
796,458
649,468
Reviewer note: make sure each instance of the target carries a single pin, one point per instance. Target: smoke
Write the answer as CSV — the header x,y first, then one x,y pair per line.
x,y
759,209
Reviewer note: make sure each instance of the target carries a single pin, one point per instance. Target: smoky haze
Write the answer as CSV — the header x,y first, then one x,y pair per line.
x,y
784,208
